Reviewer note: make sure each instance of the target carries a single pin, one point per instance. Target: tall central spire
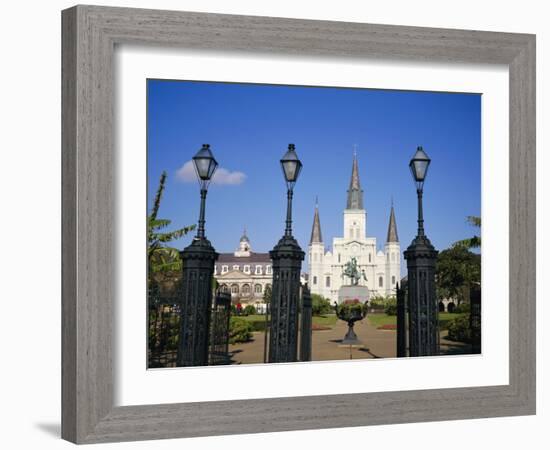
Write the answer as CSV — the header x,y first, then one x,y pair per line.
x,y
355,193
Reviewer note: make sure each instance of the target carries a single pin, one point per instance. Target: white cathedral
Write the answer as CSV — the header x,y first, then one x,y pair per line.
x,y
381,268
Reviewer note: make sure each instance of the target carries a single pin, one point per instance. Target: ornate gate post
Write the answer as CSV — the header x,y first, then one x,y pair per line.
x,y
305,328
196,282
422,301
401,350
287,257
421,258
196,303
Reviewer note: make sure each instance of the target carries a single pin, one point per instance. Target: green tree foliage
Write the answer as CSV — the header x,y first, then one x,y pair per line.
x,y
160,256
474,241
319,305
249,310
457,270
380,302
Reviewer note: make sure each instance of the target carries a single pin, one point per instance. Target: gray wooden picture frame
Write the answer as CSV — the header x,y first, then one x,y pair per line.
x,y
89,37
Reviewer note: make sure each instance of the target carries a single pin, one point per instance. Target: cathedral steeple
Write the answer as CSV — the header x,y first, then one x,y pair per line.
x,y
355,193
392,227
316,236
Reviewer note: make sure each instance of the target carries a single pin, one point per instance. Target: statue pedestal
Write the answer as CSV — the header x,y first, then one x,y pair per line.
x,y
360,293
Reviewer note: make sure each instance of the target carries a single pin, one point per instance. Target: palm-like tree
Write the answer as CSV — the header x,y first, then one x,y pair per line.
x,y
475,241
161,257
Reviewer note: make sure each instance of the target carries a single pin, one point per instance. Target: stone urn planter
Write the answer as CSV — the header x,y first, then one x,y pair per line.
x,y
351,311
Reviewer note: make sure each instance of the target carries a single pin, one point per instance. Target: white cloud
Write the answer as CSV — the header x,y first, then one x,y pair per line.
x,y
186,173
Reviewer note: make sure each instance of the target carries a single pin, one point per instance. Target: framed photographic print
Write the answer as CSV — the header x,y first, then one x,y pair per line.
x,y
279,224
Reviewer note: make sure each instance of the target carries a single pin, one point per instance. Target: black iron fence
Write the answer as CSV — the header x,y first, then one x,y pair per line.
x,y
475,318
164,327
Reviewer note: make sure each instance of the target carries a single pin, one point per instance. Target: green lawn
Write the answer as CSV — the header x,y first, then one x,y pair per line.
x,y
258,320
378,320
328,320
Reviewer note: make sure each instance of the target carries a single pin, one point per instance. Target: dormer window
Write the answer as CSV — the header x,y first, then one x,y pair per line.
x,y
247,269
236,267
224,269
258,270
268,270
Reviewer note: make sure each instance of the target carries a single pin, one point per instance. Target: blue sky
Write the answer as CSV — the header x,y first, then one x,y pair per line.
x,y
250,126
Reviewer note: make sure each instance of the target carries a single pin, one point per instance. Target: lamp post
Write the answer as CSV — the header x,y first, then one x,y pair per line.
x,y
287,257
196,282
421,259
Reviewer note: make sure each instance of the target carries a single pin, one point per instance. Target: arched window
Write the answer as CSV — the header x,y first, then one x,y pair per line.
x,y
338,257
246,289
258,288
224,288
393,281
369,258
314,280
380,281
327,281
234,288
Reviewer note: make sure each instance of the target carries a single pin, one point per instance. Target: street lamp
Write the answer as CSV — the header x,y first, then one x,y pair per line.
x,y
421,259
292,167
287,257
195,294
419,169
205,167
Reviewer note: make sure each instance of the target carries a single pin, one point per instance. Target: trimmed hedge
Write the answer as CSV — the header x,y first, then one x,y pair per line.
x,y
240,330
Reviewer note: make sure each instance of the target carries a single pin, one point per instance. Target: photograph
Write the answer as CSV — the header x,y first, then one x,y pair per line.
x,y
311,223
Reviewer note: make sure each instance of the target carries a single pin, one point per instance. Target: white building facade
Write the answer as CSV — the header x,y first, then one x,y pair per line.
x,y
244,273
382,268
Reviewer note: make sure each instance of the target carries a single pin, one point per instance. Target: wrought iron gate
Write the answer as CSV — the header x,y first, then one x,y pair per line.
x,y
401,323
305,325
219,331
164,329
